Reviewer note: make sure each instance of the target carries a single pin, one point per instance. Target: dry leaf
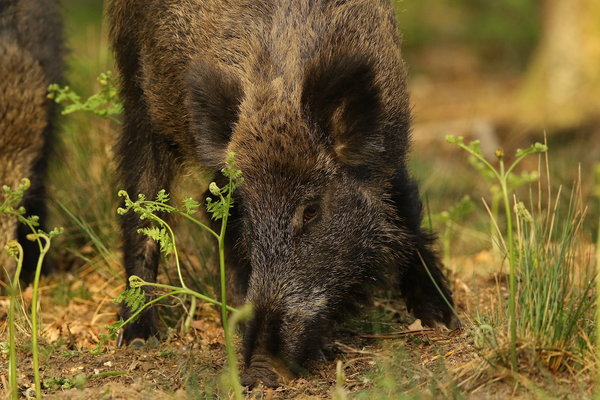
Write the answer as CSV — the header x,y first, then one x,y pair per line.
x,y
416,326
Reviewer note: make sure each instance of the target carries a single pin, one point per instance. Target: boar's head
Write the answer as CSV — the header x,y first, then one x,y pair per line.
x,y
316,228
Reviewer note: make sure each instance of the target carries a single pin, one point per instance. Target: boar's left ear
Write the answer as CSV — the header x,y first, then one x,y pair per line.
x,y
341,97
212,101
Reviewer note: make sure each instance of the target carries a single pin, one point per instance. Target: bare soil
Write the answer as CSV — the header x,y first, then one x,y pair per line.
x,y
381,347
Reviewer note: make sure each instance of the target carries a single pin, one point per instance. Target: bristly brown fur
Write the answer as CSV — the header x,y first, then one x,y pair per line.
x,y
31,49
312,98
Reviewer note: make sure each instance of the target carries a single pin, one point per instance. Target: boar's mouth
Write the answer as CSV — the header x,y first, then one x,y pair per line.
x,y
273,354
271,371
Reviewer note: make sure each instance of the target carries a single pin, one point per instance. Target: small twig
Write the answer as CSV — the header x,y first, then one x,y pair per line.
x,y
350,349
351,361
396,334
437,357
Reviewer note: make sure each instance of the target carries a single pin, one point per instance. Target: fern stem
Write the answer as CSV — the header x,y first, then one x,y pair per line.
x,y
34,316
174,290
12,348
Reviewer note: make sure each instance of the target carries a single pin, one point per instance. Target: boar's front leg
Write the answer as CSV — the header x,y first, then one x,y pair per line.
x,y
426,301
147,165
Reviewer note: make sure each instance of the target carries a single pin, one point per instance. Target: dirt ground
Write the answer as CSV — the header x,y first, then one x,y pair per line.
x,y
383,354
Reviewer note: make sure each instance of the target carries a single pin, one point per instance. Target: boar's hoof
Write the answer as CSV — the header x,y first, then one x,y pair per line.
x,y
454,323
269,371
433,314
450,321
132,333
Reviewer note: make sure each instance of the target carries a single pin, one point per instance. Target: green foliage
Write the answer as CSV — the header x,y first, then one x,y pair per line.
x,y
78,381
161,236
513,182
457,212
58,383
550,281
399,378
105,103
485,335
10,205
12,197
232,378
133,298
502,175
487,169
218,209
112,332
161,232
190,206
555,281
83,162
145,208
80,173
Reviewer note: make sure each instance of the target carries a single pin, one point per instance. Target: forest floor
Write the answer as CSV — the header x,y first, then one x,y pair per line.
x,y
383,354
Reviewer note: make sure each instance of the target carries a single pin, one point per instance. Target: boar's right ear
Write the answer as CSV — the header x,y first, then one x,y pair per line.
x,y
212,101
340,95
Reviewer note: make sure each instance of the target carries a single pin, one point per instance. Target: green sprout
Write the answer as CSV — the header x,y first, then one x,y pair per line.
x,y
105,103
10,207
161,232
503,176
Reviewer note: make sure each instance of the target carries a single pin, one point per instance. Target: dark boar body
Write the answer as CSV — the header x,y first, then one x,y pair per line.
x,y
31,49
311,96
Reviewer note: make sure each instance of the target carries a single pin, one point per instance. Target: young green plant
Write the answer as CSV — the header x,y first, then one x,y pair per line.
x,y
160,231
513,182
555,279
105,103
14,249
502,175
10,207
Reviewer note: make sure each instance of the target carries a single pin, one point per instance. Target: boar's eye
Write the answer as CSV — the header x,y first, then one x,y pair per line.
x,y
310,212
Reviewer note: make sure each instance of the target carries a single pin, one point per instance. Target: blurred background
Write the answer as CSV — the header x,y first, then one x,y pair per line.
x,y
505,72
524,65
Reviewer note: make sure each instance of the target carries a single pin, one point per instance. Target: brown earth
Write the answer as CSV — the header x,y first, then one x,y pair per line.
x,y
382,353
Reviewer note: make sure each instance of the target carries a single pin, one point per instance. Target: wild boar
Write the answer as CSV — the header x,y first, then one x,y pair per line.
x,y
311,96
31,50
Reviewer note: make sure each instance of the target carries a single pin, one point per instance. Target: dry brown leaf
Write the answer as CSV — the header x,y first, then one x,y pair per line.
x,y
416,326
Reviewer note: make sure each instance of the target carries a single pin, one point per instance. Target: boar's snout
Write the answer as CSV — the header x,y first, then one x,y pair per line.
x,y
269,370
284,334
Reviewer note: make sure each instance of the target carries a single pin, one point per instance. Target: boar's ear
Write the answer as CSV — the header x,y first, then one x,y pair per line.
x,y
341,97
212,101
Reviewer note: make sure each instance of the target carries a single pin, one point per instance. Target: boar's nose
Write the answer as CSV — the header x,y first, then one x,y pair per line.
x,y
262,348
269,370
